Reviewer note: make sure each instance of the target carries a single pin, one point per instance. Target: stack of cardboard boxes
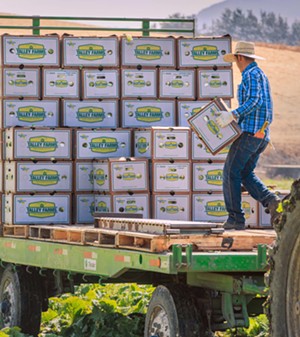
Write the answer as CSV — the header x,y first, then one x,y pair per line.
x,y
101,124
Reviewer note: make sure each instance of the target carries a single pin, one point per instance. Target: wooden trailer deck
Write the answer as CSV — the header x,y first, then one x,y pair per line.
x,y
147,235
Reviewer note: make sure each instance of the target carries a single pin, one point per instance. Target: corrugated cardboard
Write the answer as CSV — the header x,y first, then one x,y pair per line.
x,y
128,175
90,114
171,176
83,176
142,143
204,125
177,83
30,50
207,177
148,51
139,83
37,144
148,113
38,209
171,143
203,51
20,82
28,113
215,83
102,143
100,83
172,207
90,51
38,177
61,83
132,204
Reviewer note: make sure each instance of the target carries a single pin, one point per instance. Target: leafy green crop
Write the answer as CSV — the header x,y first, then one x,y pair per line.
x,y
98,311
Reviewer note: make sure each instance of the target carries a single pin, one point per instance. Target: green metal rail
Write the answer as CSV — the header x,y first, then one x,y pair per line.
x,y
146,29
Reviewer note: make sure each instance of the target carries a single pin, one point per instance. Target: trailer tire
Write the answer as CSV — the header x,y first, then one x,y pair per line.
x,y
173,312
284,278
20,300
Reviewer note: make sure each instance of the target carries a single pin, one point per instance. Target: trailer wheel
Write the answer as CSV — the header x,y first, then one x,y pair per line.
x,y
284,301
20,300
172,312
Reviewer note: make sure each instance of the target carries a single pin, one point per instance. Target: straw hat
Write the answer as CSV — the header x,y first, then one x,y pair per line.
x,y
242,48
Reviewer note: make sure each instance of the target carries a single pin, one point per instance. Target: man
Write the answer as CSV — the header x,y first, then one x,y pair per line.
x,y
255,109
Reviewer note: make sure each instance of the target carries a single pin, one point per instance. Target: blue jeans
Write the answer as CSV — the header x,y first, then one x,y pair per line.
x,y
239,169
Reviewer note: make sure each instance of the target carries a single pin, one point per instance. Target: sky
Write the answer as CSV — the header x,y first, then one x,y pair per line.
x,y
105,8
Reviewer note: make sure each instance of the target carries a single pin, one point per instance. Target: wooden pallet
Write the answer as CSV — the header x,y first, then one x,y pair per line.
x,y
245,240
19,231
66,234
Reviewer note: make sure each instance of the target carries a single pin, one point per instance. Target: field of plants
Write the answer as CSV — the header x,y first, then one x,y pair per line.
x,y
114,310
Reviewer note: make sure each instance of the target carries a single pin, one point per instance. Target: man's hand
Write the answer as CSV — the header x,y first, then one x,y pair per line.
x,y
224,118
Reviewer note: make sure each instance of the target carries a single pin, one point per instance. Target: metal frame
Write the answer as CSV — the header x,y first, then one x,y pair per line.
x,y
145,29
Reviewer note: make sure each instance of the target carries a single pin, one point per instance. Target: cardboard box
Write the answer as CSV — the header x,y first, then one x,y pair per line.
x,y
84,208
38,209
139,83
20,82
102,143
201,152
103,203
142,143
177,83
61,83
187,109
83,176
101,175
172,207
30,50
215,83
148,51
204,125
38,177
211,207
142,113
1,178
171,143
203,51
30,113
171,176
207,177
132,204
90,51
104,114
128,175
100,84
37,144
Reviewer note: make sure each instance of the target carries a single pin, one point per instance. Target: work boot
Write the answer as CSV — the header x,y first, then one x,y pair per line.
x,y
232,225
272,210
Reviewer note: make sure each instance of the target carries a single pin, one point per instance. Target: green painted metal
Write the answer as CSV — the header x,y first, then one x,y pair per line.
x,y
36,23
112,262
146,29
87,260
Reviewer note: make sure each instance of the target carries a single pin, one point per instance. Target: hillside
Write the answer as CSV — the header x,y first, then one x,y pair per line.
x,y
283,69
289,10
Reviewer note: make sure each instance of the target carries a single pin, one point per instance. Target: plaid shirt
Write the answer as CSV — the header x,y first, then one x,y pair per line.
x,y
255,102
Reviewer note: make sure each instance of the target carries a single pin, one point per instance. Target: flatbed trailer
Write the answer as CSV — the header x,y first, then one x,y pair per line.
x,y
207,279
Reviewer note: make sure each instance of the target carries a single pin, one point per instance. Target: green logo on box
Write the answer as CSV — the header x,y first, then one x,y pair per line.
x,y
148,114
41,209
91,52
148,52
205,53
31,51
44,177
142,145
42,144
104,145
31,114
90,114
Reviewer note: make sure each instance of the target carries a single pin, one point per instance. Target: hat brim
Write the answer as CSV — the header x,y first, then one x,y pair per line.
x,y
232,57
